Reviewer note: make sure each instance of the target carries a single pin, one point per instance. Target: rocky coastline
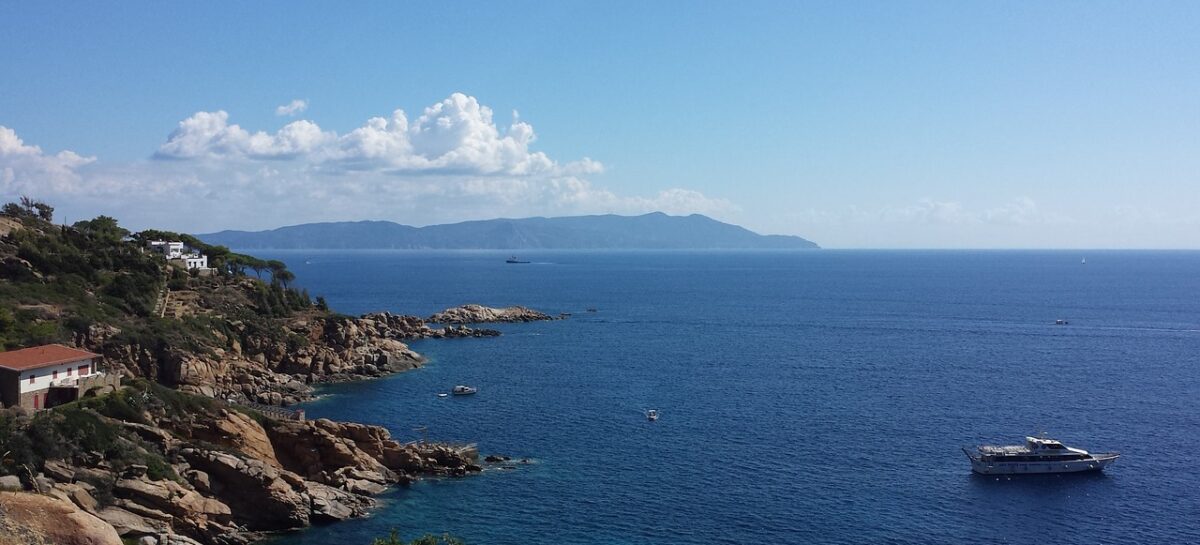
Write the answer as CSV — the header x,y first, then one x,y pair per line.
x,y
242,364
193,447
231,476
236,475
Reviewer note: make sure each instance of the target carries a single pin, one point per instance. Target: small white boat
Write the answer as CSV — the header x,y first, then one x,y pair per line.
x,y
652,415
1083,261
461,390
1037,455
442,394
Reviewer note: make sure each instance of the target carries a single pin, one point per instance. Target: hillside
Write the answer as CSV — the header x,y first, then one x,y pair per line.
x,y
650,231
185,446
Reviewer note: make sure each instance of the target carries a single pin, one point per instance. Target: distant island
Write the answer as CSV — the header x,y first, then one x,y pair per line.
x,y
654,231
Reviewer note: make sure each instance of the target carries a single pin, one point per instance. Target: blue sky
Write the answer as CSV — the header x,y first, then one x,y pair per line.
x,y
855,124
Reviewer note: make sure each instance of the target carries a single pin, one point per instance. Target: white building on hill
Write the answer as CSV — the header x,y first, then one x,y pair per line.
x,y
174,252
169,249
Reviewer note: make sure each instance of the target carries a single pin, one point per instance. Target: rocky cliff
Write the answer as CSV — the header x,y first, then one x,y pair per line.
x,y
269,360
206,472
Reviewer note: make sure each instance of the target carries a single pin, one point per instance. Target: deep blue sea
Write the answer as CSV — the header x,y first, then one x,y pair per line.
x,y
806,397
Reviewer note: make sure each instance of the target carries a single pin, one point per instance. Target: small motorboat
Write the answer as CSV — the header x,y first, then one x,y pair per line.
x,y
461,390
442,394
652,415
1061,322
514,259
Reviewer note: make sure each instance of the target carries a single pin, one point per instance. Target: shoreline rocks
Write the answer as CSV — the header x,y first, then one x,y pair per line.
x,y
314,348
232,479
478,314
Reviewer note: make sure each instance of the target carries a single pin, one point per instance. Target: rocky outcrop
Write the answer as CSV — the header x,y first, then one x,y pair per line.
x,y
246,364
33,519
478,314
230,476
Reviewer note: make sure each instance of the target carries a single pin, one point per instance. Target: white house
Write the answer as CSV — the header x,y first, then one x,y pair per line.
x,y
174,252
44,376
193,261
169,249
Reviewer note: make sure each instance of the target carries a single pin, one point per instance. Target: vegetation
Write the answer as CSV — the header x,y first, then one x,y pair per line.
x,y
91,429
57,281
78,431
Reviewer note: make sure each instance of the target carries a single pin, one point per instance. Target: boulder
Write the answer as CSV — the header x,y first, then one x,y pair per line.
x,y
59,471
11,483
331,505
238,431
258,492
52,521
129,524
80,495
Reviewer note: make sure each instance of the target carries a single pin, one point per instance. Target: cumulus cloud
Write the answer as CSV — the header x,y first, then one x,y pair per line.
x,y
210,135
292,108
455,136
27,170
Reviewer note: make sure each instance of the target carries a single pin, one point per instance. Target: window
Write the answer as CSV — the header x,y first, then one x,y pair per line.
x,y
32,378
54,375
83,370
70,371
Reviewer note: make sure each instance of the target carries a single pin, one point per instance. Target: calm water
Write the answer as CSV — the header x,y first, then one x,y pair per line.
x,y
816,397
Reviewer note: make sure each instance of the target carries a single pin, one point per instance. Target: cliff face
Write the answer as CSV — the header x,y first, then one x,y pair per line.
x,y
229,353
199,469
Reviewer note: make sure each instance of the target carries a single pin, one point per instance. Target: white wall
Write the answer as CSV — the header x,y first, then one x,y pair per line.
x,y
44,376
200,262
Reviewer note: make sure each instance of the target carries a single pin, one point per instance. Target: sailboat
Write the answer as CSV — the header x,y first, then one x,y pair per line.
x,y
1083,261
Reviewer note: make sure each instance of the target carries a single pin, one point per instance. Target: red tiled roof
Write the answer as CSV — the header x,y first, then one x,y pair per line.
x,y
42,356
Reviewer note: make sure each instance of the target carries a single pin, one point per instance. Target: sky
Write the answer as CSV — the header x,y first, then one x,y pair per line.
x,y
854,124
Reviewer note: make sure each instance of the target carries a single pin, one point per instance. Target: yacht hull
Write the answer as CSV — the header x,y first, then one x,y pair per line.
x,y
1096,463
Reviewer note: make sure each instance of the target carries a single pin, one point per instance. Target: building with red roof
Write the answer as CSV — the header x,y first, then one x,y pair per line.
x,y
43,376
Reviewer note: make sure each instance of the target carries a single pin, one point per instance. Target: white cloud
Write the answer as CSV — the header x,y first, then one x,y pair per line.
x,y
455,136
27,170
292,108
209,135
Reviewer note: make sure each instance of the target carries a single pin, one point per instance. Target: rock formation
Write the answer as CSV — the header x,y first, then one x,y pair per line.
x,y
478,314
246,363
35,519
231,477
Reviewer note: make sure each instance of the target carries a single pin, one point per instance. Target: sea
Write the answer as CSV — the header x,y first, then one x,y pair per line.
x,y
806,397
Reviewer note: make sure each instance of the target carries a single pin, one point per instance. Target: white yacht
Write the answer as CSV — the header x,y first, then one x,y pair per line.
x,y
1037,455
461,390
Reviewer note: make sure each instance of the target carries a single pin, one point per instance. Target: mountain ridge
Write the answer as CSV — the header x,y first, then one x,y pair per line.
x,y
655,230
